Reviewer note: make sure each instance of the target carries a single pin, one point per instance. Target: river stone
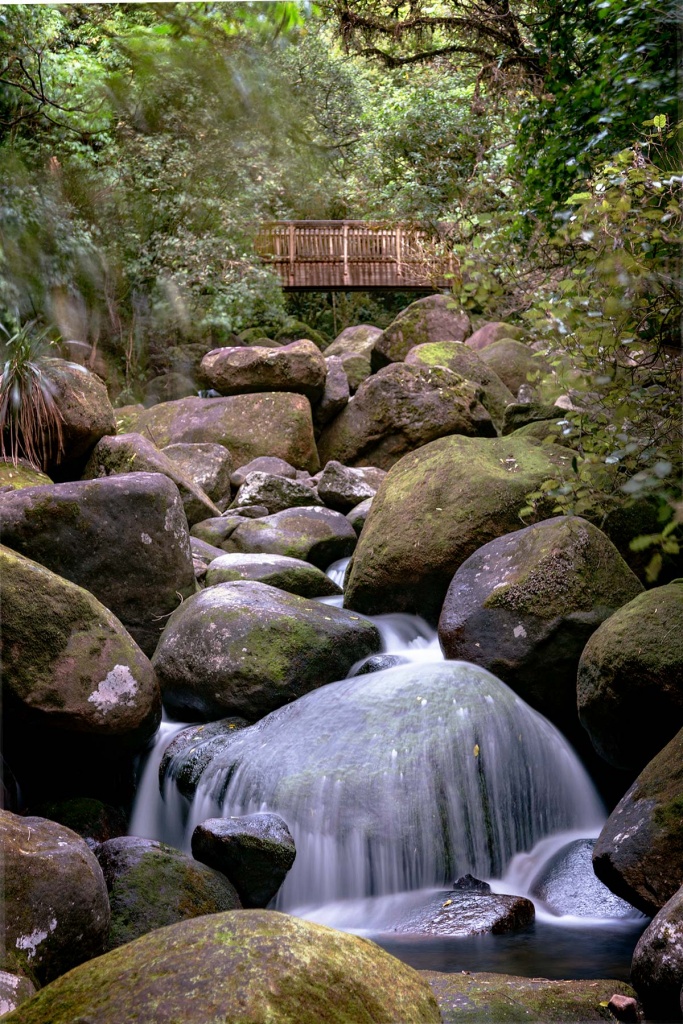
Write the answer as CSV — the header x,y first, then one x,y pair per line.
x,y
167,387
274,493
639,853
14,989
264,464
152,885
316,535
482,998
434,509
203,554
336,394
657,966
255,851
191,750
524,605
298,367
23,474
270,423
630,678
377,663
245,648
567,885
92,819
493,331
521,414
209,465
457,913
402,408
290,574
359,514
124,538
86,412
514,363
133,453
354,347
249,967
433,318
217,530
56,912
456,356
69,666
343,488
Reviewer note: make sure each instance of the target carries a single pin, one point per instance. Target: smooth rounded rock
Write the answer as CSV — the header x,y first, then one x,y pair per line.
x,y
336,394
264,464
14,989
515,363
494,330
191,750
458,913
23,474
359,513
354,348
433,318
290,574
298,367
316,535
86,416
657,966
567,885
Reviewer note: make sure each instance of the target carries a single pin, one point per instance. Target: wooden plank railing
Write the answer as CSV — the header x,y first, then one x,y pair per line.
x,y
343,254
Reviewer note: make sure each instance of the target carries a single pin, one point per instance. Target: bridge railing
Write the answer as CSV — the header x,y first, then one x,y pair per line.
x,y
352,254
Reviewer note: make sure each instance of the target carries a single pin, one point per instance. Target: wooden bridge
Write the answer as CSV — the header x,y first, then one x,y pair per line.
x,y
352,255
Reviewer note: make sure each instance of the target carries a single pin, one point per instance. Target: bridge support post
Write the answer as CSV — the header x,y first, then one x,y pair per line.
x,y
292,254
345,251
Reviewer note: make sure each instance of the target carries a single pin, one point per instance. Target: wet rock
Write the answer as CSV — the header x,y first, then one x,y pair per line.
x,y
657,967
290,574
191,750
152,885
133,453
630,678
514,363
255,851
123,538
639,853
316,535
433,318
86,412
524,605
343,488
209,465
13,478
56,907
272,423
493,331
274,493
14,989
468,883
264,464
402,408
568,885
336,394
377,663
254,965
460,913
434,509
95,821
245,648
298,367
354,347
359,514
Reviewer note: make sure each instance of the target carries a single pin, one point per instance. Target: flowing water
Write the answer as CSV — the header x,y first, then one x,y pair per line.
x,y
397,781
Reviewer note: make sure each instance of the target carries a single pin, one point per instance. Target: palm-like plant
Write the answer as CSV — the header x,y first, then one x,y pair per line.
x,y
30,419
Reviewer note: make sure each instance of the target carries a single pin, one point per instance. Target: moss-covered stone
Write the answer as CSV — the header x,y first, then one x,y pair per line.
x,y
191,750
494,331
209,465
316,535
13,478
515,364
433,318
90,818
246,967
354,348
127,417
297,330
657,968
290,574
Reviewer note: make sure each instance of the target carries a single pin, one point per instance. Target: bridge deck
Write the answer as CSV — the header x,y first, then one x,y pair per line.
x,y
346,255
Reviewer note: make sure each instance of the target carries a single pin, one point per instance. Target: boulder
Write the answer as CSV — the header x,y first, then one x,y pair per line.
x,y
133,453
567,885
152,885
95,821
255,851
271,423
56,912
264,464
123,538
127,417
521,414
515,363
354,348
317,535
639,853
456,356
493,331
524,605
359,514
86,413
290,574
459,913
630,678
14,989
297,329
23,474
217,530
203,554
434,509
167,387
433,318
336,394
298,367
209,465
343,488
192,749
657,967
377,663
245,648
253,966
275,493
402,408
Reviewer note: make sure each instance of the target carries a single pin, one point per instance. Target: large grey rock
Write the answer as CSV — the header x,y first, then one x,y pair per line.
x,y
342,487
354,347
297,367
657,967
524,605
434,318
336,394
14,989
217,530
567,884
209,465
246,648
56,912
630,678
123,538
255,851
275,493
86,416
290,574
402,408
492,331
317,535
514,363
264,464
359,514
455,913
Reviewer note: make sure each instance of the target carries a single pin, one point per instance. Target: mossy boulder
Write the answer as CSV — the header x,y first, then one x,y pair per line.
x,y
152,885
167,387
298,367
14,989
92,819
23,474
263,464
555,431
127,417
209,465
251,966
297,330
458,357
354,348
316,535
123,538
483,998
86,412
401,408
290,574
524,605
245,648
56,911
492,331
639,853
433,318
434,509
515,364
275,493
275,423
657,967
630,678
216,530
